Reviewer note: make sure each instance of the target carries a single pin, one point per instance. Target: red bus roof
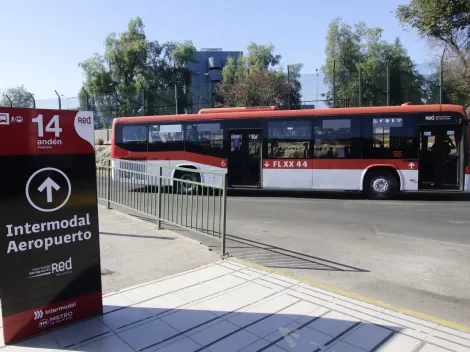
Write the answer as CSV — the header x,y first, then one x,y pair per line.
x,y
270,112
238,109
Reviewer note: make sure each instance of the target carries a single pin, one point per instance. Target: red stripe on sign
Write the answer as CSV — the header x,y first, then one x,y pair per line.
x,y
339,164
119,153
467,170
46,132
25,324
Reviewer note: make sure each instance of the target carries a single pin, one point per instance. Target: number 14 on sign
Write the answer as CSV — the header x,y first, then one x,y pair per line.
x,y
53,126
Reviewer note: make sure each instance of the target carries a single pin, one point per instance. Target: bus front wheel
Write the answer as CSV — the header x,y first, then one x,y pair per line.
x,y
381,184
186,187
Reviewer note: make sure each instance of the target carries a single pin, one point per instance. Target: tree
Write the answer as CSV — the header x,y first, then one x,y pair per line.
x,y
447,24
294,86
129,78
19,96
456,82
357,60
256,80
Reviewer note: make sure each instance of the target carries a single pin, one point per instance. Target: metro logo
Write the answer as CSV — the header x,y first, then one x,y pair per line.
x,y
43,323
61,317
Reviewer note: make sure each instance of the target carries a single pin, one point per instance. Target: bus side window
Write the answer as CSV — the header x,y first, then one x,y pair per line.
x,y
205,138
166,137
132,138
289,139
335,138
388,137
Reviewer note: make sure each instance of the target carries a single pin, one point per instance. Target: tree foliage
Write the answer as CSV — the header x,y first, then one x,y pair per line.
x,y
353,51
130,64
19,96
257,80
446,23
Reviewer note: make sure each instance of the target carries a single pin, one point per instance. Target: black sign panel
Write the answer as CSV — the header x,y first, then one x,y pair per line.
x,y
49,235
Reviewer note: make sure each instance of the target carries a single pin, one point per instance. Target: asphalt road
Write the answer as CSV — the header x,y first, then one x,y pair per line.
x,y
410,253
413,252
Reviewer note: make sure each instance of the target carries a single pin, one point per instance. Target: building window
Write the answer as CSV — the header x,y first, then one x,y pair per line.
x,y
164,138
289,139
333,138
205,138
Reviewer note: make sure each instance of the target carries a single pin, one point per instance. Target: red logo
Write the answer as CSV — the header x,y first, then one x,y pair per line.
x,y
84,120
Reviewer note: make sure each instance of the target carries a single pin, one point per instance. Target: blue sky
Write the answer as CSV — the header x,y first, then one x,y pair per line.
x,y
43,41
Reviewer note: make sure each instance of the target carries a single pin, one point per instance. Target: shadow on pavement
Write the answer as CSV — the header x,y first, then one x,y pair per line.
x,y
151,327
136,236
261,253
276,257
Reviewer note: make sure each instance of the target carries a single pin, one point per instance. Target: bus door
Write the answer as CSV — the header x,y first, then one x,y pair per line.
x,y
440,166
244,158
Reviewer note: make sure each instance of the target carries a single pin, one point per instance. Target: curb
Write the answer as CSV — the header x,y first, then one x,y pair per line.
x,y
358,297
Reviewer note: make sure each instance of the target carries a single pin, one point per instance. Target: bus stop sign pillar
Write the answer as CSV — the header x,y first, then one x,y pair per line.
x,y
49,235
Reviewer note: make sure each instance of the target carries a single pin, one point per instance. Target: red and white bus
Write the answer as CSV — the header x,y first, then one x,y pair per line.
x,y
378,150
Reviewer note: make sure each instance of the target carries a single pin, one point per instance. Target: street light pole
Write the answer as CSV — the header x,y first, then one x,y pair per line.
x,y
316,93
60,102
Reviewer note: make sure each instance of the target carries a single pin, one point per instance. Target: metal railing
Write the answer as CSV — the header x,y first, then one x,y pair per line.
x,y
178,196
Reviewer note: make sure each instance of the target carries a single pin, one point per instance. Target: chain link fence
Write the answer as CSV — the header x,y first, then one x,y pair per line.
x,y
335,86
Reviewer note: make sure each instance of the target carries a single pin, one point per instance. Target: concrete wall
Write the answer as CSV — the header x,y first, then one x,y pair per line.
x,y
104,134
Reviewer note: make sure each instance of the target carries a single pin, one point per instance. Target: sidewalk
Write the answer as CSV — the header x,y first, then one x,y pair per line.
x,y
227,306
134,251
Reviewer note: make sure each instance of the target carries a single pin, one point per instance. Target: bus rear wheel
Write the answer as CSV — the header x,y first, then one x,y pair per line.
x,y
183,187
381,184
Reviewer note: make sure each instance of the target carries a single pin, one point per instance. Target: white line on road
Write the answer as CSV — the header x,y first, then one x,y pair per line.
x,y
380,233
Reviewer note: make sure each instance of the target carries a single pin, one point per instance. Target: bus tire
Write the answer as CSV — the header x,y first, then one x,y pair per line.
x,y
186,188
381,183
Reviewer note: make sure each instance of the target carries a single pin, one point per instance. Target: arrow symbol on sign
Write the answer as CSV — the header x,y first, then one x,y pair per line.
x,y
38,314
266,164
48,185
411,165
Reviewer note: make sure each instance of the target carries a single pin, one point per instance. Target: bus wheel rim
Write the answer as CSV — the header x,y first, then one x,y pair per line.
x,y
380,185
184,185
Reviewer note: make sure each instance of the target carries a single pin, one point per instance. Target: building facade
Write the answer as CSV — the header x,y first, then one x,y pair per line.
x,y
206,69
